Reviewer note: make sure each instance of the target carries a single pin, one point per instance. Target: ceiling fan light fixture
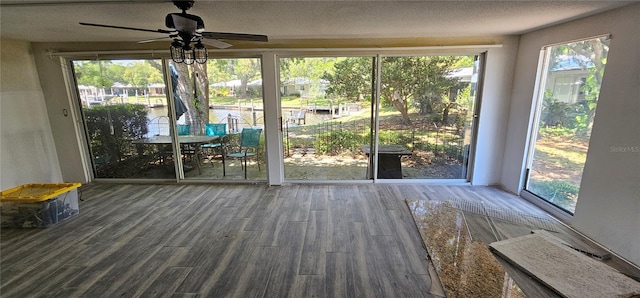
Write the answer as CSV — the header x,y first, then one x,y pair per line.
x,y
177,52
200,53
188,55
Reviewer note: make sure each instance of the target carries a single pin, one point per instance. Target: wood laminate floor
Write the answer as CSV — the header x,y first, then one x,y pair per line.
x,y
232,241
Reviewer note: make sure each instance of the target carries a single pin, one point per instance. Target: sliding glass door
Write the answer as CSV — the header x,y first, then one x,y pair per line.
x,y
326,111
139,128
566,104
200,123
425,117
234,108
122,103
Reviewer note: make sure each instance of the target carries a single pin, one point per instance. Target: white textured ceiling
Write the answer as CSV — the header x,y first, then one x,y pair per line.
x,y
57,21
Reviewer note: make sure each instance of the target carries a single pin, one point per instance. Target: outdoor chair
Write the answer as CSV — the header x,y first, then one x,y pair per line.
x,y
184,129
249,141
216,146
186,150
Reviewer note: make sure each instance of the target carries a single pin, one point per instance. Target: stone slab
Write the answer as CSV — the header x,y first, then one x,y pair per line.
x,y
566,271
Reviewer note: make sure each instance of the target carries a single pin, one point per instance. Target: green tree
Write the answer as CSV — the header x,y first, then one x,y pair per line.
x,y
592,55
140,74
98,73
463,61
419,81
313,69
220,70
405,81
350,78
286,67
245,70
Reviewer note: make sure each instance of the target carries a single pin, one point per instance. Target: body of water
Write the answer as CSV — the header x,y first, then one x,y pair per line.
x,y
159,120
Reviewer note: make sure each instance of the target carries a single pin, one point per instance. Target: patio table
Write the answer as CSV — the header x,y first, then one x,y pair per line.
x,y
389,166
192,141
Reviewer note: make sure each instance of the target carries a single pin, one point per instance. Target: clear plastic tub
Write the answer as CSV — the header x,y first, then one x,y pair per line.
x,y
38,205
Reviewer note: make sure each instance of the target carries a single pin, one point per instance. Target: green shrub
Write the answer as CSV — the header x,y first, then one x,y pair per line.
x,y
396,137
560,114
339,141
112,128
557,132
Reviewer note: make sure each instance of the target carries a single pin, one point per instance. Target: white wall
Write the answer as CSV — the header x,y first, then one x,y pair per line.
x,y
68,139
27,149
608,208
494,111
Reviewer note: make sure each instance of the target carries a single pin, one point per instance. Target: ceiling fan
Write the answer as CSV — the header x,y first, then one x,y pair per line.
x,y
187,32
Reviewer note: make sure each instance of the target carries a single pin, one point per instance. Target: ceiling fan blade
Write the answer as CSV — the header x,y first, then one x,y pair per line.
x,y
127,28
22,3
216,43
234,36
154,39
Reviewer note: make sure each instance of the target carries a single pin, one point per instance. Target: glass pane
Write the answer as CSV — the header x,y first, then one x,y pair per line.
x,y
425,116
119,99
567,108
235,104
326,110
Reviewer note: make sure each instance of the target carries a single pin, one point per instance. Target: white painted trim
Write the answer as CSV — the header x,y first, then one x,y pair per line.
x,y
607,36
135,181
272,119
424,181
376,106
78,121
475,122
175,143
554,211
384,181
534,118
341,182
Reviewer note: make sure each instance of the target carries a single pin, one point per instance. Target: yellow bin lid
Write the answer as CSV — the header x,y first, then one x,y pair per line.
x,y
28,193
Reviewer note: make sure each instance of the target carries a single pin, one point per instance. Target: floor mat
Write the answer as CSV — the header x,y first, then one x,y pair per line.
x,y
521,218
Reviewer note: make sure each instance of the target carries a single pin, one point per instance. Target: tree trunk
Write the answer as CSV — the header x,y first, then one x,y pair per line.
x,y
243,88
445,114
400,103
194,92
201,96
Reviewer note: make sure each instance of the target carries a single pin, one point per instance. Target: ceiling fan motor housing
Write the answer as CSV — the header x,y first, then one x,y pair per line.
x,y
170,23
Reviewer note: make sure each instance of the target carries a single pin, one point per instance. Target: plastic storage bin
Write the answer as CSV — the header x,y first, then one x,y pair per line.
x,y
38,205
